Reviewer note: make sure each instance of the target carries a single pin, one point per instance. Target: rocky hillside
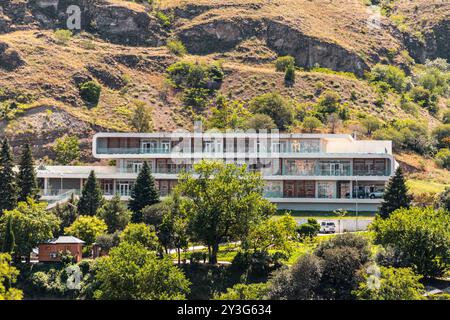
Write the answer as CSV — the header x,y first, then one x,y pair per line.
x,y
122,45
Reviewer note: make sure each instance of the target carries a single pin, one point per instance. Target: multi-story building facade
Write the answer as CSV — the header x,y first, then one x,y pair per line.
x,y
301,171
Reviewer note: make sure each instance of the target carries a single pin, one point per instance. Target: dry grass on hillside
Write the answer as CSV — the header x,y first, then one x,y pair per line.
x,y
344,22
421,168
50,68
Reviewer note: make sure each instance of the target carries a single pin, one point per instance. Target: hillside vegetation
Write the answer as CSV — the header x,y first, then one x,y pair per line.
x,y
356,68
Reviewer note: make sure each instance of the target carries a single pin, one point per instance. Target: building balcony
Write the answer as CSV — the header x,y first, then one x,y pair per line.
x,y
125,151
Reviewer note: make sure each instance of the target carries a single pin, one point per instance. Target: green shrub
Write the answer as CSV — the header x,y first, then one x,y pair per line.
x,y
275,106
184,74
241,291
281,63
197,98
176,47
421,236
163,19
394,284
63,36
67,149
259,122
443,158
407,134
446,117
425,98
309,229
442,135
90,92
289,75
393,76
310,124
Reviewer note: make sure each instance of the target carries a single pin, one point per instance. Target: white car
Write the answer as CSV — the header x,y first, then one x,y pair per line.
x,y
376,194
327,227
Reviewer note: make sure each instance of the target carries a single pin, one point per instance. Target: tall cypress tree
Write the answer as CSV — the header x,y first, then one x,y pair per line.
x,y
26,179
8,187
396,195
9,241
91,197
143,193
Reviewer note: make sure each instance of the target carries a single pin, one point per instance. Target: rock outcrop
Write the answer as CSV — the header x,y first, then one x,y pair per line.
x,y
115,22
224,34
10,59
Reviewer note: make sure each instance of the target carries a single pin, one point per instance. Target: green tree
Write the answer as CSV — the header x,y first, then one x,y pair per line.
x,y
153,215
329,102
393,284
396,195
173,231
311,124
140,233
371,124
26,179
276,107
421,236
66,212
176,47
8,275
393,76
274,234
143,193
142,117
90,92
443,199
31,223
309,229
446,117
282,63
197,98
9,241
228,114
289,75
87,228
300,282
223,202
442,135
8,187
241,291
443,158
91,197
115,214
67,149
131,272
108,241
260,121
342,258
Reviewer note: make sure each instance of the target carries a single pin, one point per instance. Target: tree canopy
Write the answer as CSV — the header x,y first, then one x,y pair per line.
x,y
131,272
91,197
420,236
396,195
87,228
26,178
223,201
143,193
31,224
8,187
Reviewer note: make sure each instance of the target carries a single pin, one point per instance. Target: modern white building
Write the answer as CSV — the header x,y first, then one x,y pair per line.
x,y
309,172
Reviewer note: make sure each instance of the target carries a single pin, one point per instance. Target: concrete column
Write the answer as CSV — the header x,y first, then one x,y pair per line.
x,y
45,186
351,189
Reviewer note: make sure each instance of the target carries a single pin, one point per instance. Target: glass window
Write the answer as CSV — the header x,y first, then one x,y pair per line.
x,y
326,189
